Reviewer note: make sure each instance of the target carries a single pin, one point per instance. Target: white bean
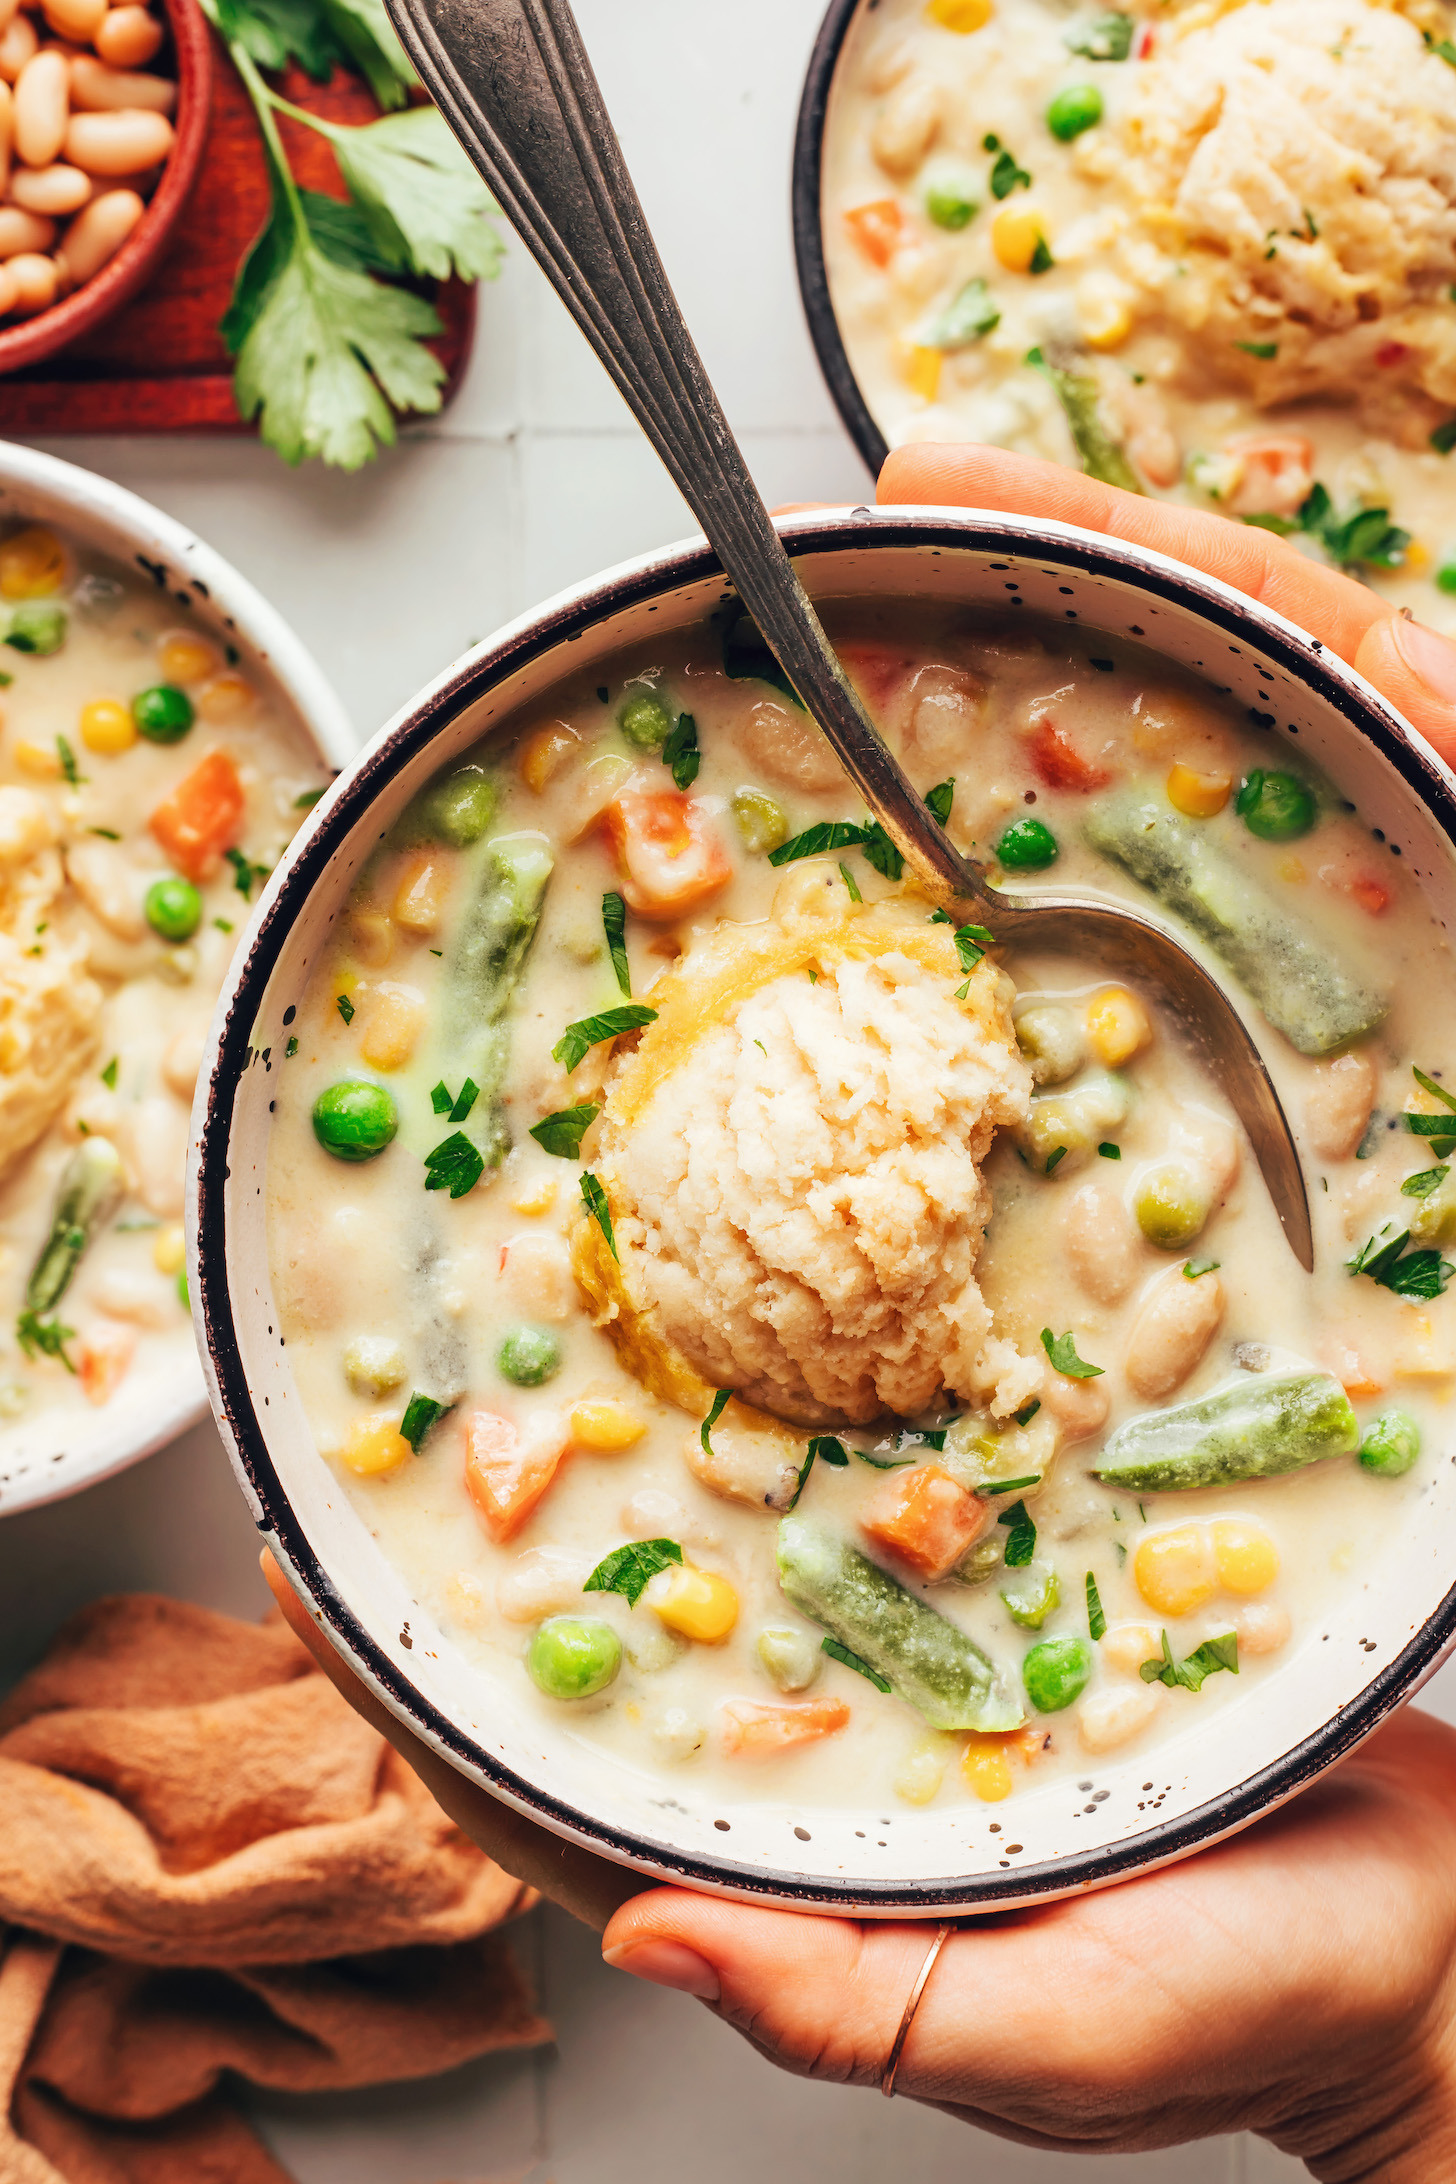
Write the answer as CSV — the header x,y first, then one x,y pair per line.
x,y
124,142
136,1294
909,124
23,231
51,191
156,1150
182,1061
1110,1718
1338,1103
128,38
1262,1625
946,706
1079,1407
18,43
786,747
1102,1242
97,89
77,20
537,1270
36,280
42,102
1176,1322
97,233
26,825
1215,1147
8,10
111,887
542,1581
744,1465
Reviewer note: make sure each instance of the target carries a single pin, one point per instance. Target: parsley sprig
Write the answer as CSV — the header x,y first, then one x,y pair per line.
x,y
1365,537
1204,1661
1422,1274
629,1570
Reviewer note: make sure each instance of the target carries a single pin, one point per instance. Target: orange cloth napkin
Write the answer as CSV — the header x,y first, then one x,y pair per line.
x,y
208,1863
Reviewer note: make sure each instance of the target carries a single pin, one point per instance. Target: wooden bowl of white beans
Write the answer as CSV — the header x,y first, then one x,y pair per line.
x,y
103,117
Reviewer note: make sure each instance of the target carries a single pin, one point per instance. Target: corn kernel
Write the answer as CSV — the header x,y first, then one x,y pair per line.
x,y
1196,794
107,726
1105,321
1417,557
986,1768
1175,1571
32,564
921,1772
1016,233
396,1019
374,1446
1128,1645
1117,1026
695,1603
1292,870
371,937
1248,1560
545,753
226,697
962,16
169,1248
920,369
420,900
185,658
37,760
605,1426
537,1197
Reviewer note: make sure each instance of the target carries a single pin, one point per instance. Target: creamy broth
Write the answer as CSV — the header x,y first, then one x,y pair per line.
x,y
138,753
1126,1225
1215,326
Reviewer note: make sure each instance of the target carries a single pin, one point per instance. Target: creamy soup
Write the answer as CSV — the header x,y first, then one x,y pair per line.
x,y
789,1337
1205,252
148,783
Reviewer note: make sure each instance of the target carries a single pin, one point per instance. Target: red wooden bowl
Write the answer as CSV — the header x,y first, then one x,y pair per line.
x,y
119,279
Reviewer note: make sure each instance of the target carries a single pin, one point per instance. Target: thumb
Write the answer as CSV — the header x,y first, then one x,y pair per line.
x,y
1415,667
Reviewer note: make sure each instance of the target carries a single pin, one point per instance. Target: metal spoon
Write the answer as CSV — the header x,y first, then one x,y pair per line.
x,y
513,80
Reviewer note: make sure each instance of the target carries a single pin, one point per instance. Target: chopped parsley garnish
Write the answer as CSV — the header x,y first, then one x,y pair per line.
x,y
290,1050
1059,1154
1422,1274
1108,1151
1021,1539
1266,351
563,1132
1027,1411
307,800
594,1198
67,758
109,1073
848,878
1005,174
345,1007
1445,50
47,1336
1443,439
840,1653
720,1404
1042,260
108,834
630,1570
1062,1350
826,1448
421,1414
939,800
579,1038
1205,1661
246,874
1422,1185
682,755
614,925
1096,1620
222,925
455,1108
827,834
1105,38
1366,535
1192,1268
1010,1486
456,1166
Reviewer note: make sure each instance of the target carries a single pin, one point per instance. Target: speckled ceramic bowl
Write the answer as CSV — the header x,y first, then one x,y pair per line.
x,y
43,1458
1128,1811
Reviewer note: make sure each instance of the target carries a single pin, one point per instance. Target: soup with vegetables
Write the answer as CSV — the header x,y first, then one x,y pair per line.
x,y
789,1336
1204,251
148,782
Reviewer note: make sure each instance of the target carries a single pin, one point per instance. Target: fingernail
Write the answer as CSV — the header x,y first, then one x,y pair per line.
x,y
666,1964
1430,657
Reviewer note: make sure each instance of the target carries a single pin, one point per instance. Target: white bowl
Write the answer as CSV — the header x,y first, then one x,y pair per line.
x,y
42,1459
1128,1812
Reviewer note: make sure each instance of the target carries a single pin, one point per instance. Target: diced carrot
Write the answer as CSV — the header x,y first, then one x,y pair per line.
x,y
201,817
926,1517
877,228
102,1362
876,670
1372,895
1276,472
1060,764
1029,1743
668,852
509,1467
759,1728
1350,1369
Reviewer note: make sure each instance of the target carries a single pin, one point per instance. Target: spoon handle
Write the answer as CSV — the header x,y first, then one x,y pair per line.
x,y
513,80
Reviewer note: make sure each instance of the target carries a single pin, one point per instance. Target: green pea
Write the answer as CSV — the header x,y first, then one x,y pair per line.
x,y
1076,108
1031,1596
1275,806
762,821
1026,846
1446,577
644,720
529,1356
37,626
982,1561
1056,1672
163,714
571,1656
1391,1445
172,908
461,807
354,1119
182,1297
950,204
1170,1206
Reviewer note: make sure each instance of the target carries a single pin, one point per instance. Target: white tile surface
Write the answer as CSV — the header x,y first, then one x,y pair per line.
x,y
535,478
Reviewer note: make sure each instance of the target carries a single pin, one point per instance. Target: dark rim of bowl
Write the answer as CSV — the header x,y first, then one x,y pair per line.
x,y
1301,656
808,184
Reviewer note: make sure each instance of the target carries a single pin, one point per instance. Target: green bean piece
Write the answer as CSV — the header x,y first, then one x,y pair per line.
x,y
1081,399
573,1657
926,1660
37,625
173,908
1074,109
1031,1595
790,1658
951,203
1278,807
1391,1445
644,720
1267,1424
472,1032
1302,989
980,1562
1027,846
163,714
1056,1673
529,1356
459,808
355,1119
1171,1205
971,313
90,1185
762,822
